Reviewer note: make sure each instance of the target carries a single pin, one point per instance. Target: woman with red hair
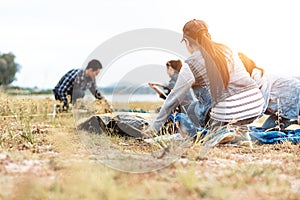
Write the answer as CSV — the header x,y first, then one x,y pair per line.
x,y
235,97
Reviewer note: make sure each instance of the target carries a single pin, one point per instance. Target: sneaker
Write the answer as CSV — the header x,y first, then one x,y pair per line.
x,y
221,136
242,137
272,122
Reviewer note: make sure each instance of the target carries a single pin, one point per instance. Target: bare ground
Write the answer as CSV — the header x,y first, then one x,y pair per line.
x,y
63,168
45,158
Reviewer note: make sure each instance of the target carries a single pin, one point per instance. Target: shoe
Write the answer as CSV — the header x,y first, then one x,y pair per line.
x,y
272,122
221,136
242,137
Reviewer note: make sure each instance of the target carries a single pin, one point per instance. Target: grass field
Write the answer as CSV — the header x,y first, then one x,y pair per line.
x,y
42,157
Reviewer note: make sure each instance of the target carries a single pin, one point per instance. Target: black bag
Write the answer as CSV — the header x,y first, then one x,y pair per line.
x,y
95,124
124,125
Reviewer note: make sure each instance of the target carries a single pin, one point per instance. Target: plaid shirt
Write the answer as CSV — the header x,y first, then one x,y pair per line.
x,y
74,77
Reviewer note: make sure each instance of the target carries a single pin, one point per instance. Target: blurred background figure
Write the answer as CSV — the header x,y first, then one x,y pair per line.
x,y
281,95
75,82
173,69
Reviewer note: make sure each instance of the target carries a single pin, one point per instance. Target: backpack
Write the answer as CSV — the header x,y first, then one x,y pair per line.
x,y
124,125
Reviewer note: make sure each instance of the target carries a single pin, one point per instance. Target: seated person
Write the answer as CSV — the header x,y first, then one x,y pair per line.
x,y
281,95
173,69
214,68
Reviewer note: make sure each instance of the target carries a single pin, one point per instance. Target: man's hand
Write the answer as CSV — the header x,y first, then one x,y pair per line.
x,y
109,108
100,98
103,106
98,95
65,107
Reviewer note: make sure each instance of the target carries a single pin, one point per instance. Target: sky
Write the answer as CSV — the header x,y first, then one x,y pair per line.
x,y
50,37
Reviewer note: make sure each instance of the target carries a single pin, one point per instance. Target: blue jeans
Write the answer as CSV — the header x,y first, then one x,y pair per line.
x,y
77,94
282,95
198,111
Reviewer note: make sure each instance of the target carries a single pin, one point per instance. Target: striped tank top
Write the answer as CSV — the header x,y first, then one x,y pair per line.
x,y
238,107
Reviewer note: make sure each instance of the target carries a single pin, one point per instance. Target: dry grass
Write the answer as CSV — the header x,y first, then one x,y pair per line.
x,y
52,163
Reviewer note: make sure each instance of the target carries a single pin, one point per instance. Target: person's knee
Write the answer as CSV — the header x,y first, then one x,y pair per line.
x,y
77,93
191,113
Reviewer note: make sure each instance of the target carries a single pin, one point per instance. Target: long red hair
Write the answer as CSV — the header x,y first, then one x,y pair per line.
x,y
216,55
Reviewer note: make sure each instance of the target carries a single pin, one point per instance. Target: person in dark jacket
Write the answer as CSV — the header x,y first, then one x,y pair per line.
x,y
76,81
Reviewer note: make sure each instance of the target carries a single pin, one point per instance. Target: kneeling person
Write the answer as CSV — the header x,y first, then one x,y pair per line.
x,y
76,81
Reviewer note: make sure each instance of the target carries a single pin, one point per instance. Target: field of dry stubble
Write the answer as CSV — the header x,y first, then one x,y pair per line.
x,y
42,157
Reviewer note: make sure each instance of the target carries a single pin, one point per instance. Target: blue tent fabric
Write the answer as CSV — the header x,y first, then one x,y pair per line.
x,y
271,137
259,135
185,123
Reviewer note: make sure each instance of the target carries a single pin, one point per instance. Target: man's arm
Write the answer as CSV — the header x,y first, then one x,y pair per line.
x,y
96,91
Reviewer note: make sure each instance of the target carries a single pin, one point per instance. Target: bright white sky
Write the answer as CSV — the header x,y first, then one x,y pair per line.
x,y
50,37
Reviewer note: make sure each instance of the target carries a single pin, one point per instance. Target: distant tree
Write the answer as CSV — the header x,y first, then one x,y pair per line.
x,y
8,68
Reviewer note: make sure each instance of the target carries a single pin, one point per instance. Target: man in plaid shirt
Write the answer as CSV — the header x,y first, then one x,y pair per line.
x,y
76,81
